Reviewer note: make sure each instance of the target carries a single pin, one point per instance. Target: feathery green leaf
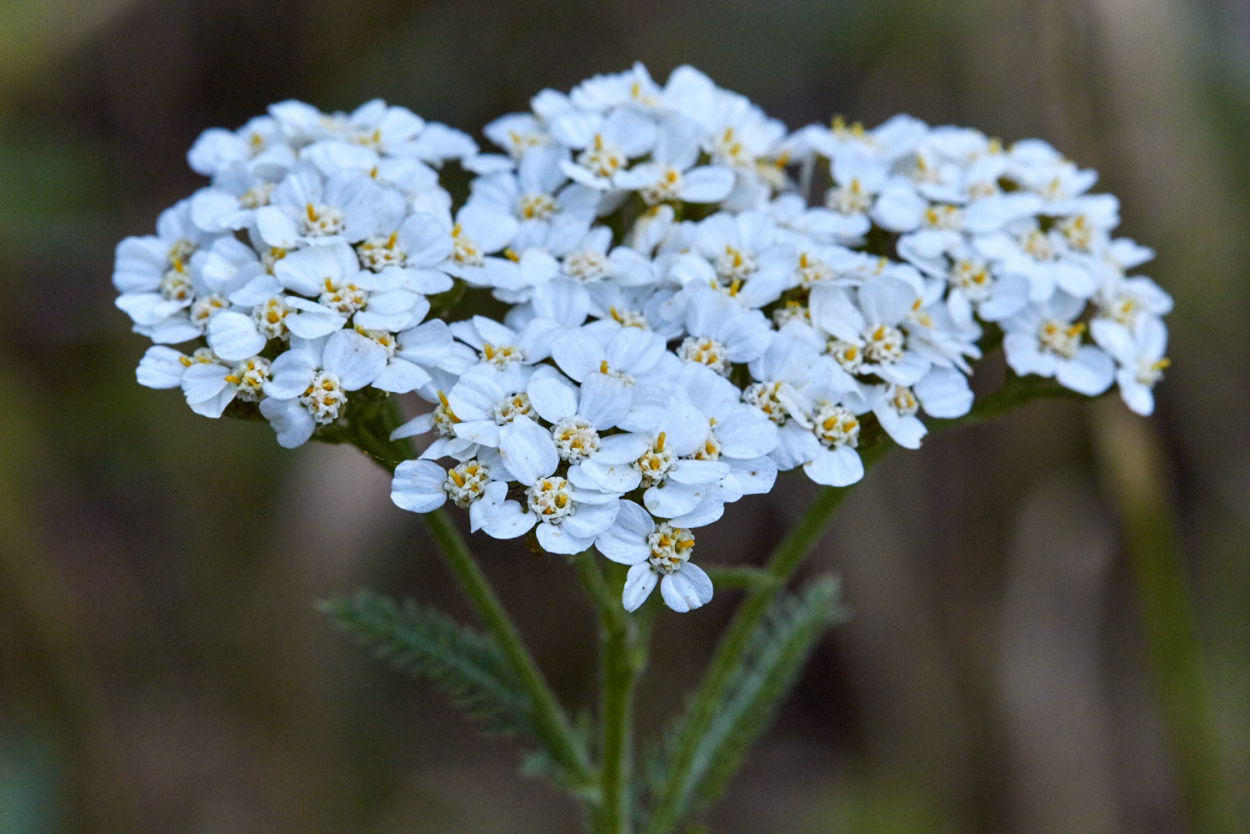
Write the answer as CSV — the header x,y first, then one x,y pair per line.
x,y
772,659
465,664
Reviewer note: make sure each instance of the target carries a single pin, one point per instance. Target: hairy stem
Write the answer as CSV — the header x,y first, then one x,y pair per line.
x,y
620,665
371,427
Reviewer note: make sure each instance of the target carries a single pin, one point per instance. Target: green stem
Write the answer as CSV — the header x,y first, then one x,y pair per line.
x,y
670,805
371,434
763,585
620,662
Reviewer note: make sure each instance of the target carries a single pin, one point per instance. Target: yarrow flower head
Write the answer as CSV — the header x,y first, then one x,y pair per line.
x,y
691,300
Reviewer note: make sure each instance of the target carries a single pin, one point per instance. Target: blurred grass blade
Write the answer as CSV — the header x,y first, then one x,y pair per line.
x,y
1134,470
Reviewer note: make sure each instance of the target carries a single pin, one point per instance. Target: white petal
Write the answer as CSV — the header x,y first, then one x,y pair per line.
x,y
944,393
707,511
400,377
1090,372
674,499
612,477
313,320
527,450
418,486
499,518
639,583
795,446
626,540
277,228
604,401
474,396
485,432
355,359
420,424
696,472
621,448
746,433
835,467
751,477
203,381
290,374
161,367
234,337
706,184
554,538
552,396
687,589
591,519
578,354
906,431
290,420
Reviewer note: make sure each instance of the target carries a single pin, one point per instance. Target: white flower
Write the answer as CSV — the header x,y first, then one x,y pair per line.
x,y
477,233
746,259
738,435
567,517
486,398
605,144
157,276
1140,355
211,386
547,215
1044,340
671,175
1043,258
258,149
349,207
517,133
609,374
653,551
721,332
309,383
422,486
874,325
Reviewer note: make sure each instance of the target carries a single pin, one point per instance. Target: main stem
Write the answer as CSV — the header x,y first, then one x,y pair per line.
x,y
371,434
620,664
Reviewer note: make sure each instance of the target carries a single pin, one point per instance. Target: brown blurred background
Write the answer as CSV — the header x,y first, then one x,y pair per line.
x,y
162,668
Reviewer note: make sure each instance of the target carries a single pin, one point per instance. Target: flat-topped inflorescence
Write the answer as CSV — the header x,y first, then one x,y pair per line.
x,y
696,299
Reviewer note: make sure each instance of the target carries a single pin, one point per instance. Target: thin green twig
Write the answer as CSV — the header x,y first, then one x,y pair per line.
x,y
371,428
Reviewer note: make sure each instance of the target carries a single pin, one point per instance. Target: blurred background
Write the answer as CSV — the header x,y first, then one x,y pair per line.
x,y
162,667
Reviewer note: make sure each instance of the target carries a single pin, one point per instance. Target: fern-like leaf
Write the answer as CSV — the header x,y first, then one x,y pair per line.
x,y
772,659
465,664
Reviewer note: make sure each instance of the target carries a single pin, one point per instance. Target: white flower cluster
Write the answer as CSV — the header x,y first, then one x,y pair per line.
x,y
682,322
